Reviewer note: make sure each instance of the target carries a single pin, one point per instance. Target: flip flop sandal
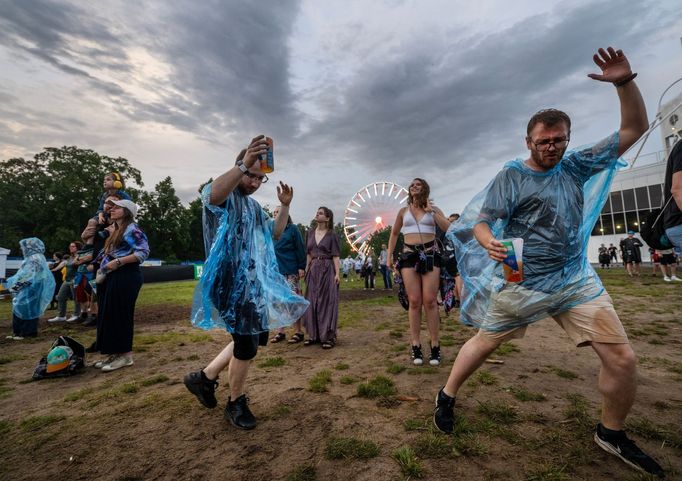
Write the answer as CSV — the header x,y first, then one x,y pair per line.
x,y
327,345
296,338
278,338
309,342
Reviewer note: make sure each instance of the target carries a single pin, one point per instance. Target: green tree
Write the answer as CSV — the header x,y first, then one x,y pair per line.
x,y
53,195
164,220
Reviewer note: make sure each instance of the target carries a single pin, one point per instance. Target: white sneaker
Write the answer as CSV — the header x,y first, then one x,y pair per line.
x,y
118,363
103,362
57,319
675,278
73,318
667,279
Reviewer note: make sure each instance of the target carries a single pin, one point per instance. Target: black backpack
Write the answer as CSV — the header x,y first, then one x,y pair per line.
x,y
653,230
76,361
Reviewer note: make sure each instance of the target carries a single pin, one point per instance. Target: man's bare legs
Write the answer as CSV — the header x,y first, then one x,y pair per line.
x,y
617,382
220,362
471,356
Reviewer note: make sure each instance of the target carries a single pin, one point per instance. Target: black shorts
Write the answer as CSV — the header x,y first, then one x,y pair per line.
x,y
667,259
246,346
411,259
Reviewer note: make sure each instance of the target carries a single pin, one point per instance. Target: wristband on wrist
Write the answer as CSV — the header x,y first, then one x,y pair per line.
x,y
118,262
626,80
242,167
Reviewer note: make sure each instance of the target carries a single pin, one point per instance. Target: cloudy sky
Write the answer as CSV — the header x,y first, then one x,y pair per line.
x,y
351,91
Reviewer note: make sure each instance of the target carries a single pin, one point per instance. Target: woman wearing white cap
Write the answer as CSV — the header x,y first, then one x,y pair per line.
x,y
119,281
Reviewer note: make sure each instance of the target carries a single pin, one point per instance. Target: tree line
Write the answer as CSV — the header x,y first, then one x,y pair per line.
x,y
52,196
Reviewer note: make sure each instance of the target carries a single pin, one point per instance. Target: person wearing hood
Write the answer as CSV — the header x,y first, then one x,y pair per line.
x,y
32,288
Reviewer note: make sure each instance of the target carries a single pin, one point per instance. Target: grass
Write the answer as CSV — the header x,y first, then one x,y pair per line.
x,y
447,340
432,446
36,423
647,429
342,366
395,368
547,472
577,411
417,424
4,390
158,379
167,293
350,448
505,349
272,362
7,358
348,380
171,337
408,462
498,412
5,426
469,444
379,386
318,383
564,373
304,472
418,371
525,396
486,378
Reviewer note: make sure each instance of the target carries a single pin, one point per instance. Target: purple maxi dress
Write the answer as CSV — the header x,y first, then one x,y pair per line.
x,y
322,291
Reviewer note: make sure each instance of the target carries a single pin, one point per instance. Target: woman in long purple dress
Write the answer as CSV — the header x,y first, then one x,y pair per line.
x,y
322,281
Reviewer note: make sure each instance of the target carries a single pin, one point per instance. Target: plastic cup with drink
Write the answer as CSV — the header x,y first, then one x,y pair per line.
x,y
513,263
267,160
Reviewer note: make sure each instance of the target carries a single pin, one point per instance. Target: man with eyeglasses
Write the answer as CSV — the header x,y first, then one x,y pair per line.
x,y
551,201
241,288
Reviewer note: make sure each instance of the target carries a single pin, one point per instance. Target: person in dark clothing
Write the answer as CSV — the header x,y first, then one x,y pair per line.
x,y
632,256
613,252
672,195
604,257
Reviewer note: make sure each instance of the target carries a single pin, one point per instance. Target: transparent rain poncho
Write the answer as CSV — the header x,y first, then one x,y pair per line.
x,y
241,288
33,284
554,213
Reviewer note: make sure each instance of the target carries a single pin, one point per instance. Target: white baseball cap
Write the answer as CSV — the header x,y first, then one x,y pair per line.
x,y
127,204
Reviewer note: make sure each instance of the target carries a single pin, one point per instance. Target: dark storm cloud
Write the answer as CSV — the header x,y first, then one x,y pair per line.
x,y
228,60
455,104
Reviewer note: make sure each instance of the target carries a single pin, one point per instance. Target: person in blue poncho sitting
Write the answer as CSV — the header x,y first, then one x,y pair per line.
x,y
551,201
241,288
32,288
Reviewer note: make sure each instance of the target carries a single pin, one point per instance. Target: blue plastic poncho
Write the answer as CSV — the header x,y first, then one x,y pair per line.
x,y
554,213
33,284
241,288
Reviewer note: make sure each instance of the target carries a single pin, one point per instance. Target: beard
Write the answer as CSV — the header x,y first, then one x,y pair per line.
x,y
547,159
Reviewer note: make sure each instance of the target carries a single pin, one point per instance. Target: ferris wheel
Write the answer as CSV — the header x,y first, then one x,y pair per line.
x,y
371,209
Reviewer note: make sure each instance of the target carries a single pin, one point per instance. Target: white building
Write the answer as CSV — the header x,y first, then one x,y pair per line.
x,y
637,191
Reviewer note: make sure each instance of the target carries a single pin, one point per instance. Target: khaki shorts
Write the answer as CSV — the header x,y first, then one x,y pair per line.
x,y
593,321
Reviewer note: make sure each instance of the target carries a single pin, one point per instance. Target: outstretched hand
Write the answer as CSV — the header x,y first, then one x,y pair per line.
x,y
285,193
613,64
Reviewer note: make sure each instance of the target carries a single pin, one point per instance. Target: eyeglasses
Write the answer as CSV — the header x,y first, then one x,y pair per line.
x,y
542,145
260,178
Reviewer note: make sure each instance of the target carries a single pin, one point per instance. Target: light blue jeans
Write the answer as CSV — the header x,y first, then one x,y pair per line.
x,y
675,235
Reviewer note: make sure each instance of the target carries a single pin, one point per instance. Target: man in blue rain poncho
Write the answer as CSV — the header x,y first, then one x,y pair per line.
x,y
32,288
241,288
551,200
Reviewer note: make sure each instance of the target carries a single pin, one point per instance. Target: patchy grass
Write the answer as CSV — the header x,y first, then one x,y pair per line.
x,y
469,444
342,366
649,430
272,362
498,412
36,423
505,349
418,371
417,424
304,472
447,340
547,472
79,394
7,358
433,446
486,378
348,380
379,386
318,383
578,411
158,379
408,462
5,426
564,373
350,448
402,347
171,337
525,396
395,368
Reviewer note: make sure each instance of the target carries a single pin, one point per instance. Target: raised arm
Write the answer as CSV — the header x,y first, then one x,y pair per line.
x,y
226,183
284,194
633,118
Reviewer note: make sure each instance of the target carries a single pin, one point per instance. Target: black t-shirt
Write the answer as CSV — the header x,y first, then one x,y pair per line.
x,y
673,215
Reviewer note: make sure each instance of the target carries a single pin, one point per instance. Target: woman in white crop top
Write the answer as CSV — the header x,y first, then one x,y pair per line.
x,y
419,264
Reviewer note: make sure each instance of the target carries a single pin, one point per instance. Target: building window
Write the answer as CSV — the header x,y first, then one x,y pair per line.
x,y
606,224
642,198
655,195
632,222
629,199
642,216
616,201
619,223
607,206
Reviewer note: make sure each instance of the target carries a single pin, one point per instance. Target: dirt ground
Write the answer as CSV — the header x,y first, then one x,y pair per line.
x,y
529,417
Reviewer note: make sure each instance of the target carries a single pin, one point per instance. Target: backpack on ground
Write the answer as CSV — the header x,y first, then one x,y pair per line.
x,y
65,358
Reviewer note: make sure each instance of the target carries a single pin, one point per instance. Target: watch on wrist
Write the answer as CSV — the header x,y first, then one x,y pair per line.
x,y
118,262
242,167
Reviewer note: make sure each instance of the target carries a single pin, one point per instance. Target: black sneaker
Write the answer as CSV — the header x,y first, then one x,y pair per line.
x,y
618,444
444,414
239,414
91,321
202,387
417,356
434,360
